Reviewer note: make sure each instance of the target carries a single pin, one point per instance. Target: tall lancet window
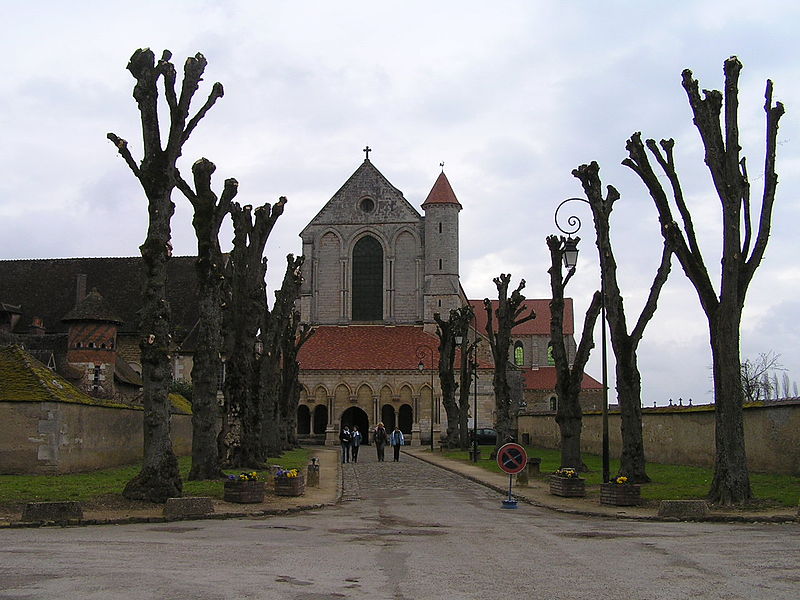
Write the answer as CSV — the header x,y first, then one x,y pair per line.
x,y
367,280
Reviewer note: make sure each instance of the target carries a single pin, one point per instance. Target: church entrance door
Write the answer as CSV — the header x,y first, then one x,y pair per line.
x,y
356,416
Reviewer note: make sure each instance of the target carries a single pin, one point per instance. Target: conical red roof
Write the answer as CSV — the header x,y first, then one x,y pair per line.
x,y
441,193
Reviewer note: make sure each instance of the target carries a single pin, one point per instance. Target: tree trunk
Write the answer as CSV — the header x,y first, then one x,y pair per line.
x,y
159,478
469,370
731,483
569,415
208,217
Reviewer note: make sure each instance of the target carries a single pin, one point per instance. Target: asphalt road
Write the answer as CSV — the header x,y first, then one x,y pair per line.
x,y
403,531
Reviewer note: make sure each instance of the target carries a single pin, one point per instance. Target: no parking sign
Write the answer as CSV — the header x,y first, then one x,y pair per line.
x,y
512,458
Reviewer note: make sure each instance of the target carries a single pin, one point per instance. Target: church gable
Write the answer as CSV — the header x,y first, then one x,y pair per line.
x,y
366,198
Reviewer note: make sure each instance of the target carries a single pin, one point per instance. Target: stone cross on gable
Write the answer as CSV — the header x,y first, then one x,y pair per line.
x,y
366,151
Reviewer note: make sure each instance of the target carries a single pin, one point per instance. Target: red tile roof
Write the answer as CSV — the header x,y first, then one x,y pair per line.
x,y
544,378
441,192
538,326
358,347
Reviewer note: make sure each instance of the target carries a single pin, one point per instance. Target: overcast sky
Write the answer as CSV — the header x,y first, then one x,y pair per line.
x,y
511,96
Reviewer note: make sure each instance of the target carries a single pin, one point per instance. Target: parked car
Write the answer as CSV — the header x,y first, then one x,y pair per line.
x,y
486,437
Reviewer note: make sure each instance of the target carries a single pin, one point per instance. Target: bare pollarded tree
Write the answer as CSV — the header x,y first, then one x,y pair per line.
x,y
159,477
274,328
241,435
624,343
456,326
209,213
569,378
742,252
510,312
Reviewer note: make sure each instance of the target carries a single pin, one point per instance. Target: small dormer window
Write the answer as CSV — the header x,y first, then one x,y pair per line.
x,y
103,345
79,345
91,345
367,205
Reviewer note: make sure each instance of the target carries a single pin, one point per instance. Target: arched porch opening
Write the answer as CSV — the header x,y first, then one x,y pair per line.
x,y
388,417
303,420
320,419
405,418
355,416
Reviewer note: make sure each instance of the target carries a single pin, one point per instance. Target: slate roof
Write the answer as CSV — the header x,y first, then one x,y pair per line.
x,y
46,288
538,326
367,347
441,193
544,378
93,308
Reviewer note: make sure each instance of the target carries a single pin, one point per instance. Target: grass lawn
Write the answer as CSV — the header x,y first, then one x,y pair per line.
x,y
16,489
669,482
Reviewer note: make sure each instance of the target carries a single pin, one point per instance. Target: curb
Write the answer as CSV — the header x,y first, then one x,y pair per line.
x,y
711,518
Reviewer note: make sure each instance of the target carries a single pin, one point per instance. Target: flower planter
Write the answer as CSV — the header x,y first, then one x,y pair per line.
x,y
567,487
615,494
290,486
244,492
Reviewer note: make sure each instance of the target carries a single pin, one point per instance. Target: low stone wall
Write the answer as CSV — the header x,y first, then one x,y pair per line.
x,y
54,437
686,436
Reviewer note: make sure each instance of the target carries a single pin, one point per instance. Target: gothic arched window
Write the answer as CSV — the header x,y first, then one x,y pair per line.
x,y
367,280
519,354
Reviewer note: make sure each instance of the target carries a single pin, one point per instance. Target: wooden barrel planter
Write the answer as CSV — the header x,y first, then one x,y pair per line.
x,y
615,494
290,486
243,492
567,487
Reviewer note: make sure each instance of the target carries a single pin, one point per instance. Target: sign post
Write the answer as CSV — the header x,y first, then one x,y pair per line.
x,y
512,459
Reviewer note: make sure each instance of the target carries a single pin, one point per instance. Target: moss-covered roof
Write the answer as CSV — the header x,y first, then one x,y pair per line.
x,y
25,379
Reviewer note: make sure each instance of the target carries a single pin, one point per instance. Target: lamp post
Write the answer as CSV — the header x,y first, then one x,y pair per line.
x,y
421,367
570,254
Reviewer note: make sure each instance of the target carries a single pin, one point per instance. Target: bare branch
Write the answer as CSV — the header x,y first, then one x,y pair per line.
x,y
651,304
122,148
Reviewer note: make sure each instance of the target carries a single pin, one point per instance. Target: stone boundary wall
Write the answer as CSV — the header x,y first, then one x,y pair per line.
x,y
55,437
686,436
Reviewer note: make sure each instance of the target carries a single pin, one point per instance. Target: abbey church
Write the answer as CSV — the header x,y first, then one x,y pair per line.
x,y
375,273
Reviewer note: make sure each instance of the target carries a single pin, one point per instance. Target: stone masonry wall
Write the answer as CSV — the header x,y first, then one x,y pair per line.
x,y
686,437
50,437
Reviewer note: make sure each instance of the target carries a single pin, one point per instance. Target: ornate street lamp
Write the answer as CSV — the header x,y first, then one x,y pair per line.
x,y
570,254
421,367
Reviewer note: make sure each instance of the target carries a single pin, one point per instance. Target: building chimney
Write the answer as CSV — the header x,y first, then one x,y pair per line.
x,y
80,288
36,327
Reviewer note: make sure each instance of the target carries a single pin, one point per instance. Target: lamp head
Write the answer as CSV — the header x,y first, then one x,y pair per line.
x,y
570,252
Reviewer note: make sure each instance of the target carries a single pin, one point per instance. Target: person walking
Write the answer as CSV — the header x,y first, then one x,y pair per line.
x,y
355,443
380,438
344,438
397,441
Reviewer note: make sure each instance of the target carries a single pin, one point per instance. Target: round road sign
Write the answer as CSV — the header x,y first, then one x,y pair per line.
x,y
512,458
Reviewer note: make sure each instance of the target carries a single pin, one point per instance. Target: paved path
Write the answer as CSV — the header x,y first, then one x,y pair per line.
x,y
407,530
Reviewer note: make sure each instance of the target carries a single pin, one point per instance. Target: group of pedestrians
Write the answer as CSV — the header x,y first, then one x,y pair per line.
x,y
351,442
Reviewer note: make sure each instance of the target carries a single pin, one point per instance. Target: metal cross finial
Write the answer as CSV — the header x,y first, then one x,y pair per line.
x,y
367,150
441,164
